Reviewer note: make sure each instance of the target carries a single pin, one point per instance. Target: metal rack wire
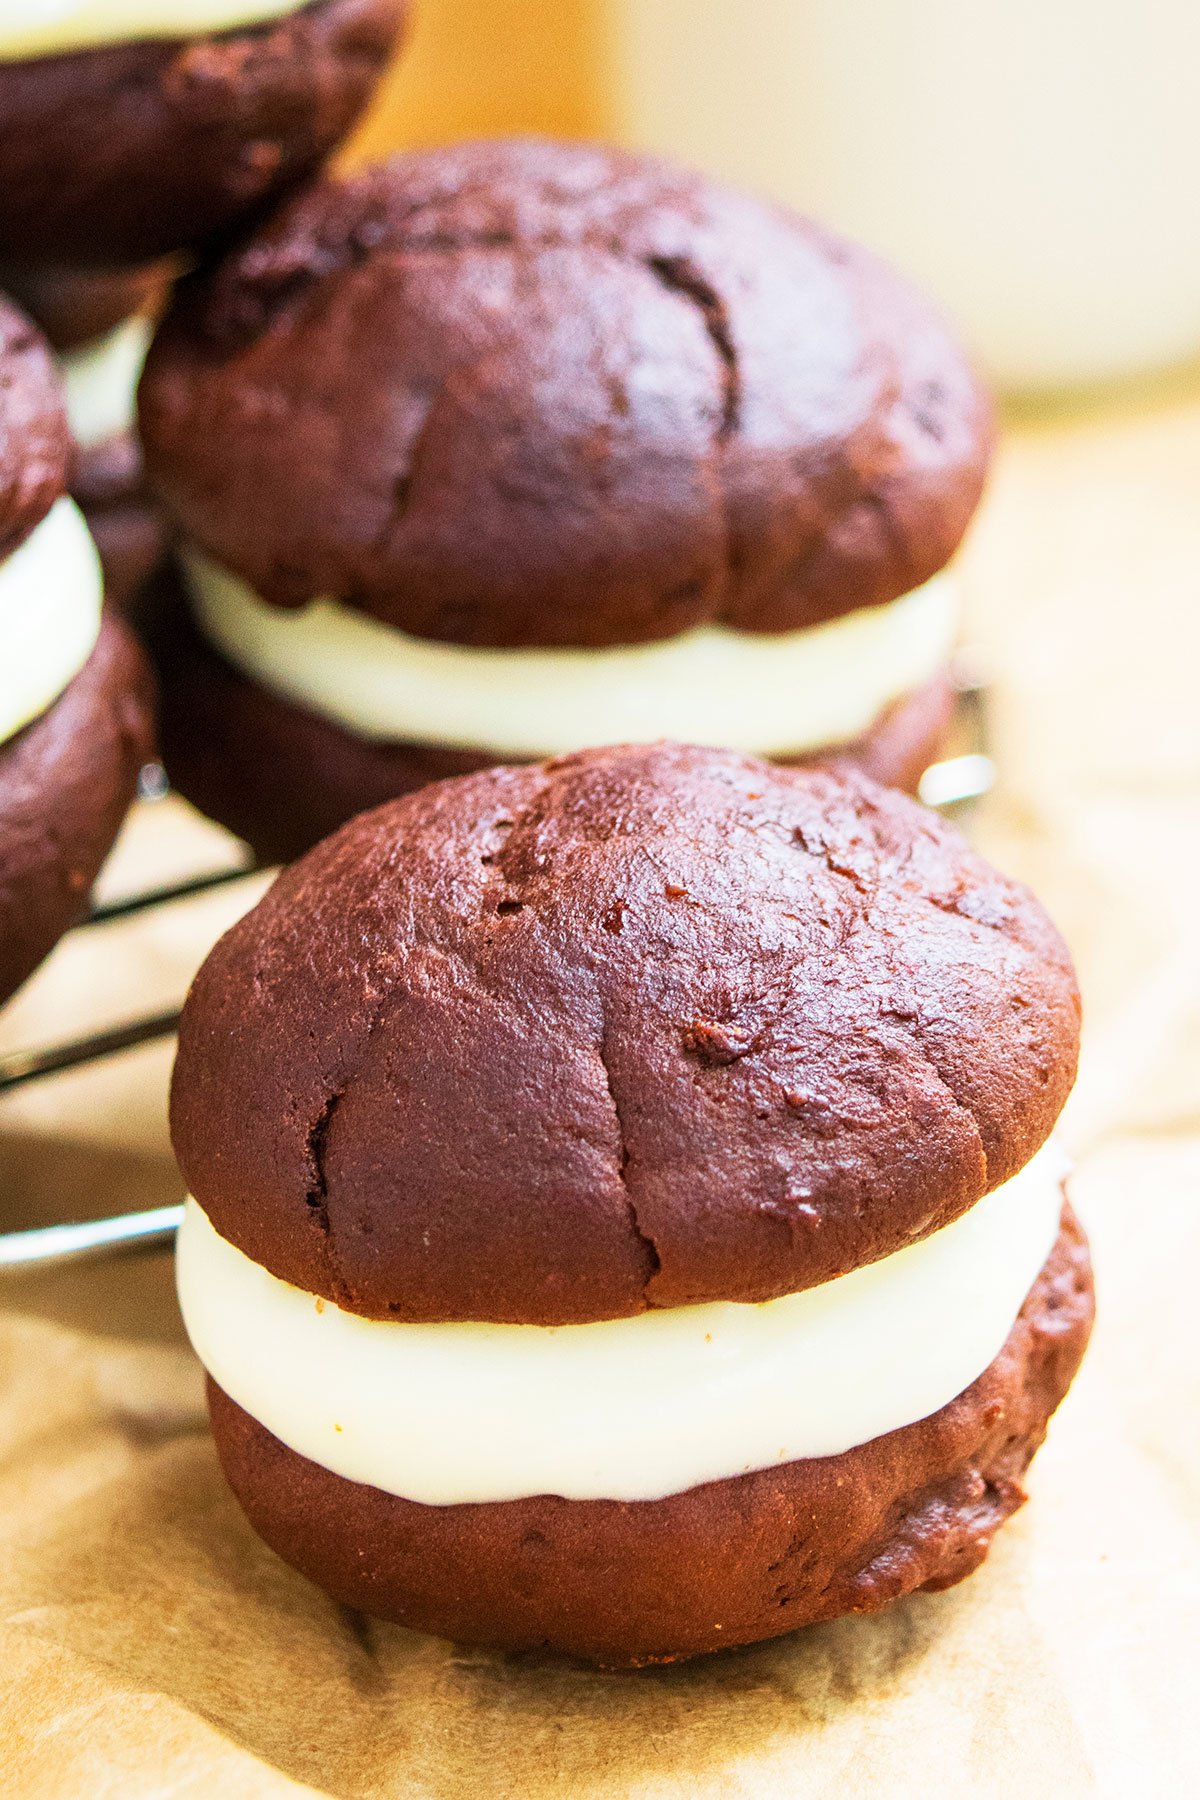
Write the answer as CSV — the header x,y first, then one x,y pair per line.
x,y
19,1067
951,785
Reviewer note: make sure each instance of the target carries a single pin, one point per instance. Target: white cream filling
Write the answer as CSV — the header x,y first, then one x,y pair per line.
x,y
101,382
770,695
628,1409
51,594
31,28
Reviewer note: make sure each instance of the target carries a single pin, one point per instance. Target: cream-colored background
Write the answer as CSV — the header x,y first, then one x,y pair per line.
x,y
1030,164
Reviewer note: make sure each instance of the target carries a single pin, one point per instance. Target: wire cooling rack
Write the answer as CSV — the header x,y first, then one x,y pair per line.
x,y
956,782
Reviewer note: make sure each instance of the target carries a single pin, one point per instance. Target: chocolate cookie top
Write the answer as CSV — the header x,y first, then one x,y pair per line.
x,y
527,393
130,151
636,1028
34,438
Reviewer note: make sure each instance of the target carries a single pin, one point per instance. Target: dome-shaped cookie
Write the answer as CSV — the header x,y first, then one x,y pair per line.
x,y
638,1028
528,393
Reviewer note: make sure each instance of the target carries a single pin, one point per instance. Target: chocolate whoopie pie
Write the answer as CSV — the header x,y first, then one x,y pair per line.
x,y
75,708
501,450
131,132
623,1213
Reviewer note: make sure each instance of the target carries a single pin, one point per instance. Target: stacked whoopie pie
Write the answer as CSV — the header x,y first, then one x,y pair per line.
x,y
132,131
624,1218
75,707
498,451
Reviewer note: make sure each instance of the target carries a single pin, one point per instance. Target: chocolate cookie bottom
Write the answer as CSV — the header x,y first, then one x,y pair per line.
x,y
129,527
66,782
731,1562
131,536
283,778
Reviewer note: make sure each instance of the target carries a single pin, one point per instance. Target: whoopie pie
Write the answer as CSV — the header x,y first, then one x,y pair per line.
x,y
625,1216
506,449
132,129
75,706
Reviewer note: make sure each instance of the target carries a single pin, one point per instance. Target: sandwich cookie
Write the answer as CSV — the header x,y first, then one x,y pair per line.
x,y
75,707
661,1244
503,450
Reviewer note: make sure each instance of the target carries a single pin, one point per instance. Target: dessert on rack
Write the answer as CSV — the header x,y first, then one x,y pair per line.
x,y
625,1215
75,693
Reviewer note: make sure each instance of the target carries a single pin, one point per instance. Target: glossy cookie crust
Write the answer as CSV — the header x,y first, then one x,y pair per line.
x,y
636,1028
551,394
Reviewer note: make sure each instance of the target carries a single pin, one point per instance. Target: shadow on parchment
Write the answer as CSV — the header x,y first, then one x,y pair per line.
x,y
159,1581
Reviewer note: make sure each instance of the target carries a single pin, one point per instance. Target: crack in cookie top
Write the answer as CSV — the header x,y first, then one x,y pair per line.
x,y
550,394
639,1028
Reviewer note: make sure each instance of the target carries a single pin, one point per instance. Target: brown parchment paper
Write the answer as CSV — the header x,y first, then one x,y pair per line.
x,y
150,1646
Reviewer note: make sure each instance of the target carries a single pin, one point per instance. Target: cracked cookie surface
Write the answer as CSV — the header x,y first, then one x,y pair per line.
x,y
549,394
638,1027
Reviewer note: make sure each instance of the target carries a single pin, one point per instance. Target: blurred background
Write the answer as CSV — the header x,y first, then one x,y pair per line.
x,y
1032,163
